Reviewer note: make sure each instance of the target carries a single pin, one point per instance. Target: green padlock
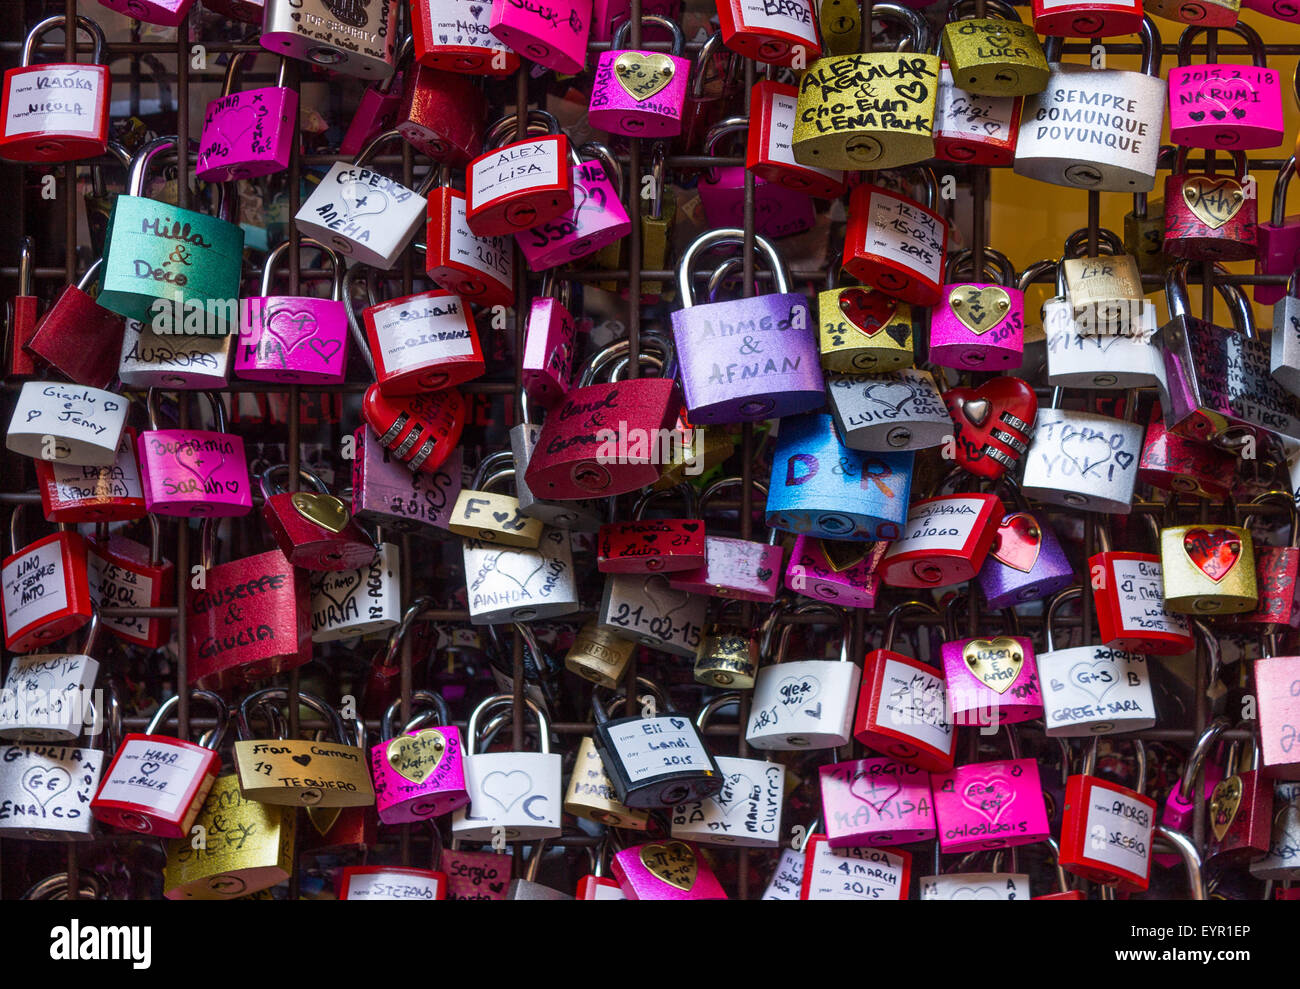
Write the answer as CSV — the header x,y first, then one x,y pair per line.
x,y
159,257
993,56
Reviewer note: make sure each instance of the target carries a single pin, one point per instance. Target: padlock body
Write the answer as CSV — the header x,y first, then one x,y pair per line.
x,y
269,772
994,679
596,220
194,473
992,424
519,186
865,331
639,93
1095,690
247,134
1209,217
590,793
768,152
442,115
944,541
894,244
1082,460
348,603
362,214
990,805
979,886
646,609
506,583
651,546
420,431
45,590
292,339
733,568
776,36
727,657
419,775
49,788
633,752
841,573
122,574
79,338
165,360
745,813
69,423
995,57
970,129
353,39
385,493
1243,104
1131,612
1278,254
55,112
1025,562
876,801
667,870
903,712
391,882
1208,570
803,705
978,326
548,351
854,873
1077,359
779,211
1282,860
422,343
1175,463
93,494
456,35
554,38
478,269
46,697
1125,821
156,785
599,655
517,791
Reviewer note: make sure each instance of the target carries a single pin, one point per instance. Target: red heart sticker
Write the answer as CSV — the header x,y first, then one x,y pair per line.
x,y
1214,551
1017,542
868,311
992,424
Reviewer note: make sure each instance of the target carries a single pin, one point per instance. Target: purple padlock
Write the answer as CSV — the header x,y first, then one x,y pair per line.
x,y
293,338
1025,562
247,133
640,93
779,211
840,572
597,219
164,13
746,359
979,326
386,492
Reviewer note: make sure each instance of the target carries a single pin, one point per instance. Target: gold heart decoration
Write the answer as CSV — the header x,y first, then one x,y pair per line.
x,y
323,510
641,75
1213,201
841,555
671,862
996,663
979,309
1224,803
415,757
323,818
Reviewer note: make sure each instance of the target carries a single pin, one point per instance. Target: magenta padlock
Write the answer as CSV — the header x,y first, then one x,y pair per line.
x,y
640,93
294,339
1026,561
840,572
779,211
1225,107
990,804
979,326
376,112
419,773
666,870
876,801
1277,242
734,568
193,472
387,493
547,362
164,13
247,133
991,680
1282,10
596,220
1178,810
552,35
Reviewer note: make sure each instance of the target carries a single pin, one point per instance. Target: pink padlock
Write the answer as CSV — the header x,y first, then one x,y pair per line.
x,y
666,870
165,13
294,338
1225,107
552,35
547,362
779,211
596,220
840,572
640,93
1200,773
993,680
990,804
193,472
979,326
1277,242
419,773
734,568
247,133
1277,685
876,801
421,343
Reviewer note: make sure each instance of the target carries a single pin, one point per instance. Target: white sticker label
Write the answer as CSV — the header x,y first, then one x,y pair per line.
x,y
651,747
962,114
1094,684
513,168
422,330
490,255
976,886
463,24
915,703
1139,585
747,808
604,892
152,773
904,232
115,586
55,99
787,878
942,524
34,585
121,480
787,16
780,148
392,886
855,874
1119,830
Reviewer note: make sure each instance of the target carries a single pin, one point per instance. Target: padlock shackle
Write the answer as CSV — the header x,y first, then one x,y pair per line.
x,y
662,705
1241,29
1036,270
997,266
557,288
1186,850
214,405
1164,159
704,60
495,469
92,273
336,265
1152,45
1243,313
960,10
1108,242
413,611
84,23
425,704
839,615
1139,752
714,706
685,491
1069,594
26,264
927,181
507,701
897,612
671,26
601,153
1206,639
728,236
658,170
155,726
1239,162
1285,499
722,129
56,886
382,138
1284,176
917,30
615,358
1204,744
105,726
354,325
271,696
270,488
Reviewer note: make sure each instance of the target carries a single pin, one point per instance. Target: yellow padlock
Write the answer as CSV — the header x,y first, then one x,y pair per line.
x,y
490,517
861,329
1208,569
993,56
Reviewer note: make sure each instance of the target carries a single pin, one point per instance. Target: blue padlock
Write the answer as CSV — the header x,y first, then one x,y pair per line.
x,y
819,487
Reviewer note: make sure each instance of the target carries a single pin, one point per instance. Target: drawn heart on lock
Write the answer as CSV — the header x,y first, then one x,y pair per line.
x,y
415,757
989,796
149,768
876,791
360,199
507,789
323,818
201,463
1089,676
1214,201
798,690
1087,451
641,76
1214,552
986,422
234,124
764,574
915,91
325,349
1225,801
302,760
519,560
975,893
890,394
45,782
738,790
328,590
292,329
979,309
1018,542
868,311
323,510
667,600
1212,91
671,862
996,663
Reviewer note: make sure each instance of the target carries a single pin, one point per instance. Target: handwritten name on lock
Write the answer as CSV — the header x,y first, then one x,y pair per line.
x,y
745,806
1139,586
284,764
55,784
885,792
988,117
114,586
490,254
340,596
423,330
1119,830
904,394
196,463
855,873
149,350
358,193
156,775
514,168
1087,687
915,703
40,691
34,585
232,600
476,875
874,92
422,762
1090,451
899,231
236,121
1223,89
755,335
233,823
64,99
591,206
78,483
777,14
505,576
1246,385
73,412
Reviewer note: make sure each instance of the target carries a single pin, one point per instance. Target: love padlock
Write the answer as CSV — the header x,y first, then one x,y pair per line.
x,y
944,541
481,270
65,423
979,326
995,804
247,133
769,153
44,587
125,573
313,528
512,187
422,343
78,337
776,35
193,472
418,773
46,695
1209,217
780,210
71,493
355,39
597,220
640,93
660,545
442,114
1243,102
992,425
456,35
895,243
420,431
386,494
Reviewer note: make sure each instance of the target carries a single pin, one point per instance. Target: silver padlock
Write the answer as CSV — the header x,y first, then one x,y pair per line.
x,y
54,420
895,410
583,515
1083,460
1285,345
354,37
1217,386
350,603
513,584
156,360
528,888
1283,858
645,609
45,695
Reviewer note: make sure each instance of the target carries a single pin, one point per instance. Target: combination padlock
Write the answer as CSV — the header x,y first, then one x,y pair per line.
x,y
420,431
993,425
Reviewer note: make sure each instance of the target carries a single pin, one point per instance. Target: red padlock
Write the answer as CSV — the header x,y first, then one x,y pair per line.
x,y
419,430
1175,463
93,494
992,425
423,343
512,188
945,541
1128,591
481,270
782,33
1210,217
128,574
653,545
24,314
1241,812
78,337
896,244
1277,573
313,529
1107,829
442,114
456,35
768,152
44,587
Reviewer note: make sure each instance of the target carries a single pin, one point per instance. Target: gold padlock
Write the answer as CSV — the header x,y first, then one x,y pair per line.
x,y
993,56
490,517
871,110
863,330
1208,569
657,227
1104,291
298,772
599,655
590,793
841,26
1144,225
728,653
247,847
